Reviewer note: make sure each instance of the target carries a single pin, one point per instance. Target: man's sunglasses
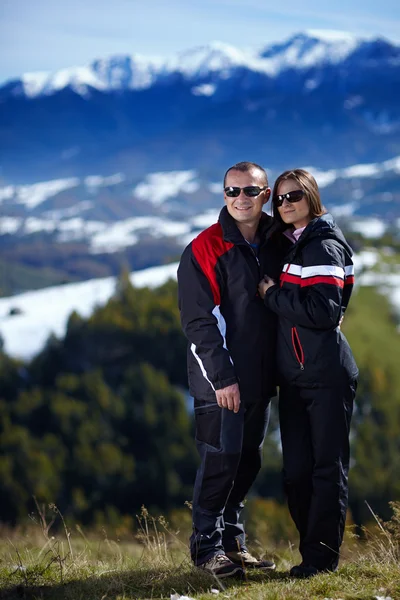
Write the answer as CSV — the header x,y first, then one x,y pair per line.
x,y
250,190
291,197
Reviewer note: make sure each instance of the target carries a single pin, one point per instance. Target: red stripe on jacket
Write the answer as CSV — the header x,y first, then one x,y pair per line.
x,y
207,248
289,278
330,279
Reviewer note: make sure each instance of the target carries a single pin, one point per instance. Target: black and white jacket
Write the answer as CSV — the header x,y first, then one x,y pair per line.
x,y
232,338
314,291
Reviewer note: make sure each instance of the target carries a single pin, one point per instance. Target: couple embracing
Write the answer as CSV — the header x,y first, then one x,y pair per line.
x,y
261,301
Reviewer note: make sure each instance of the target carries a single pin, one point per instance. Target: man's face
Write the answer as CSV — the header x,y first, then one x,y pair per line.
x,y
245,209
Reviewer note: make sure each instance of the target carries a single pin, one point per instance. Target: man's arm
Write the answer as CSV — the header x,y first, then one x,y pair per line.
x,y
203,326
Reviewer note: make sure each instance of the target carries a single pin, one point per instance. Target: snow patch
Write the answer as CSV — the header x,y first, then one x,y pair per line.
x,y
71,211
203,60
323,178
331,35
369,228
392,165
35,194
46,311
158,187
367,170
96,181
33,225
125,233
206,219
344,210
311,84
365,259
207,89
215,188
33,83
6,193
353,102
9,225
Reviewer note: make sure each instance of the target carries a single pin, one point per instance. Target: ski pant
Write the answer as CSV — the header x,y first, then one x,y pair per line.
x,y
315,426
230,448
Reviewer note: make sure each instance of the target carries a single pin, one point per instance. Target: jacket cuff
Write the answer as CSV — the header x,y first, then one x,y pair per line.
x,y
223,383
270,291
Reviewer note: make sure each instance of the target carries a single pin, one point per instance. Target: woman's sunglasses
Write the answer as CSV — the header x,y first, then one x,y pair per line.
x,y
251,191
291,197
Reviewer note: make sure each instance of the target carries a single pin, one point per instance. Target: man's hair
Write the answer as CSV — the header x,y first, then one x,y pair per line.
x,y
245,167
306,183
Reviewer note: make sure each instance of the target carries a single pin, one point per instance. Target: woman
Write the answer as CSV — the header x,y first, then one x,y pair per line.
x,y
317,372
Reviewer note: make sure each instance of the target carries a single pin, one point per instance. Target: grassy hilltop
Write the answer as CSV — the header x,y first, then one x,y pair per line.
x,y
154,563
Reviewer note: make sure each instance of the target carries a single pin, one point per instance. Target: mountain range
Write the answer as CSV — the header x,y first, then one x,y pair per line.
x,y
311,99
119,164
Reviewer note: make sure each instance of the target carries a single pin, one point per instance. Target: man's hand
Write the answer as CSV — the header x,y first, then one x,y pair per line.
x,y
264,285
229,397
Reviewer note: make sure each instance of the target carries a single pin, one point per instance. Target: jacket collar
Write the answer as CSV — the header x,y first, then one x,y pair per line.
x,y
323,227
232,234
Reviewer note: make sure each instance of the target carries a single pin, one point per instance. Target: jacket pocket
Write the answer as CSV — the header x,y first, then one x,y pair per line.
x,y
297,348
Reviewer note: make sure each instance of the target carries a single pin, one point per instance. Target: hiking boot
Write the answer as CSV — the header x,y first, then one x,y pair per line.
x,y
246,560
220,566
305,571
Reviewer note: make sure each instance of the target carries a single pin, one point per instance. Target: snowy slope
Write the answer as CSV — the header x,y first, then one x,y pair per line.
x,y
46,311
112,213
372,170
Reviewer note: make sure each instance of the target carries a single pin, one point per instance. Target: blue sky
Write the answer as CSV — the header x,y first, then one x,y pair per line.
x,y
48,34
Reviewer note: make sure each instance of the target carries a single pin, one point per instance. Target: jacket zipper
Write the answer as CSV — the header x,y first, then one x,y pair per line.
x,y
253,253
298,348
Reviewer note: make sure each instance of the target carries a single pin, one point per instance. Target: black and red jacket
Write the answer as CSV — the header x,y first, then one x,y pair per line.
x,y
232,338
315,288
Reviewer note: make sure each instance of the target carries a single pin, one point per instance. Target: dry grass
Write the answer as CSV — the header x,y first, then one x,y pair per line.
x,y
34,564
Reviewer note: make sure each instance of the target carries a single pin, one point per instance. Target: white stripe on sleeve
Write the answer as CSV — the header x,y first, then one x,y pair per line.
x,y
197,357
293,269
222,329
323,270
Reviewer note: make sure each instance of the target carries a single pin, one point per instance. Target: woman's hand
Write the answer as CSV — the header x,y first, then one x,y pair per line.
x,y
264,285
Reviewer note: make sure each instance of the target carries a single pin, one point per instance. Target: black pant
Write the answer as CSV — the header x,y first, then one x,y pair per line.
x,y
230,448
315,425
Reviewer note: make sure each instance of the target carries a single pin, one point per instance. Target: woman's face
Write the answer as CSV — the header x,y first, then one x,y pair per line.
x,y
296,213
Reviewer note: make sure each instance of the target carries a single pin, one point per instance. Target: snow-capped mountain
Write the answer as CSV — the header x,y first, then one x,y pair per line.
x,y
330,101
216,60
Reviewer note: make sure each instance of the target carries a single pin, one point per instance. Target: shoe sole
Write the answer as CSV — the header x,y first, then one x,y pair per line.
x,y
254,567
238,572
260,568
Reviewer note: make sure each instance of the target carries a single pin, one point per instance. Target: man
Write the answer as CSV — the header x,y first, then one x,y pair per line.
x,y
231,370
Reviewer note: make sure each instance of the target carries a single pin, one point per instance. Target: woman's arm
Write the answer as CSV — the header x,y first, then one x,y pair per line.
x,y
314,298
